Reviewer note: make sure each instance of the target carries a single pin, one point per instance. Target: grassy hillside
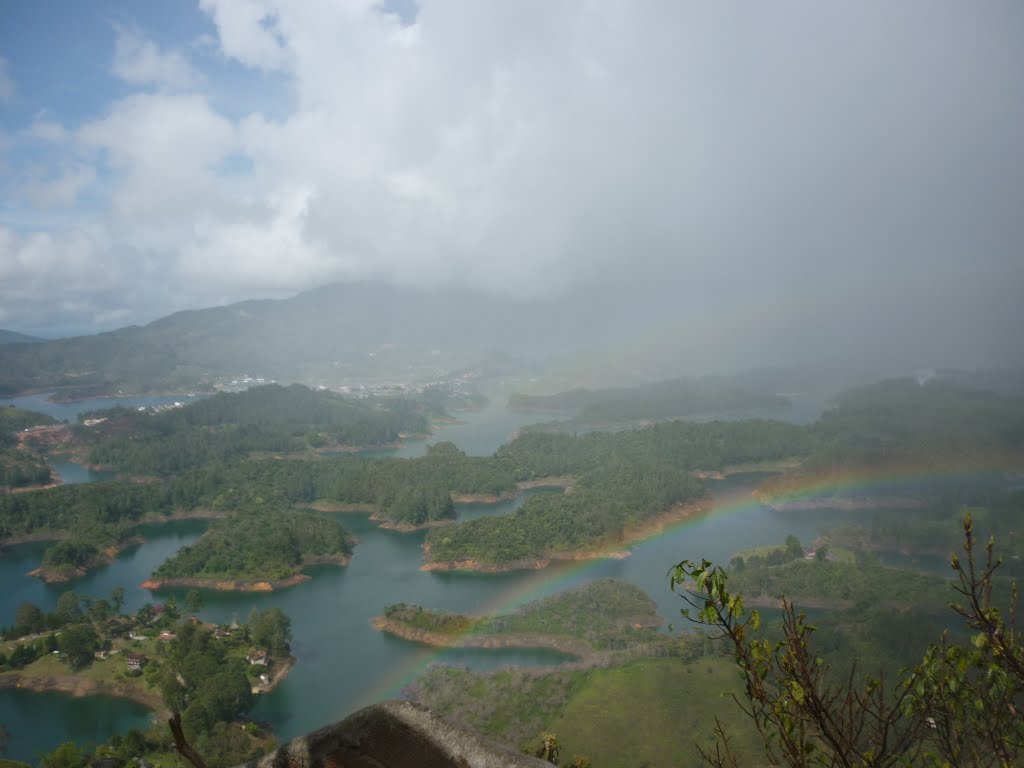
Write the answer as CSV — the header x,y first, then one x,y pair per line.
x,y
648,712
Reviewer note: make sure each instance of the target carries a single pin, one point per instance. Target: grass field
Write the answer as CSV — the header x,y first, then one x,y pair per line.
x,y
652,712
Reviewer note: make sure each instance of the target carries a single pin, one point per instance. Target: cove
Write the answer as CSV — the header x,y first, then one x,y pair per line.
x,y
40,722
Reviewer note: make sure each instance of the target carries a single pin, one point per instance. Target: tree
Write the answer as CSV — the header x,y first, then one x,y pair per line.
x,y
65,756
79,644
794,549
29,618
117,599
271,629
194,601
957,707
69,607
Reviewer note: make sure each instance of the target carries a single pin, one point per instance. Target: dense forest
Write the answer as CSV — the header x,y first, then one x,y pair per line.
x,y
269,545
230,426
624,479
20,467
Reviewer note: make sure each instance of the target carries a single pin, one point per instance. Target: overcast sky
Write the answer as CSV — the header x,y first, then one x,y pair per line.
x,y
836,165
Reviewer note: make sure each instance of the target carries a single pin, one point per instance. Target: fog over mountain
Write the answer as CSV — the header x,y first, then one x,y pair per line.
x,y
772,184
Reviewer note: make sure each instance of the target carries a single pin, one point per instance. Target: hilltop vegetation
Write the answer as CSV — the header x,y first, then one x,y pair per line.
x,y
327,333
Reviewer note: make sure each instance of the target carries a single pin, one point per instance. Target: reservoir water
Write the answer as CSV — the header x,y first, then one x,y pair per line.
x,y
343,663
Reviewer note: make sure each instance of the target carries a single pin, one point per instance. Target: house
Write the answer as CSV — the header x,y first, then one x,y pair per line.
x,y
166,635
135,661
220,633
136,635
100,655
258,657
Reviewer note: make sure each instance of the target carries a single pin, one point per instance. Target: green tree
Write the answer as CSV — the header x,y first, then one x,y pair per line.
x,y
65,756
794,549
958,707
117,599
69,608
78,643
271,629
29,618
194,601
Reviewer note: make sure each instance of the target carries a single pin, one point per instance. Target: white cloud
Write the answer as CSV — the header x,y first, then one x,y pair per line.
x,y
164,150
7,89
249,31
528,146
140,61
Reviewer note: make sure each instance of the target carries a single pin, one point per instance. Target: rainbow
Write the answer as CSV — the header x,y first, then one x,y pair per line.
x,y
846,483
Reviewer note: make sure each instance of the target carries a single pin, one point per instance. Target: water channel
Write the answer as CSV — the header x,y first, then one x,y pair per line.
x,y
343,663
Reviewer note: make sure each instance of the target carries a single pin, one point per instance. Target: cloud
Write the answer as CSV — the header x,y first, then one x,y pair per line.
x,y
163,151
62,190
542,146
7,89
43,129
249,31
139,61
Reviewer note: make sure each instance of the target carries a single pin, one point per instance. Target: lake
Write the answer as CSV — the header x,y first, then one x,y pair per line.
x,y
343,663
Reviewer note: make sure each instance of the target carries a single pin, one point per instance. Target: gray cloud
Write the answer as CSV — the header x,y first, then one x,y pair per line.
x,y
838,175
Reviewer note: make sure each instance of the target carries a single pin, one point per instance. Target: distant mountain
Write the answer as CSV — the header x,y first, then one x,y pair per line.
x,y
327,334
13,337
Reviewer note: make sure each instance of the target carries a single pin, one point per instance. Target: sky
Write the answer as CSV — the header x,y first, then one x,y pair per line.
x,y
848,176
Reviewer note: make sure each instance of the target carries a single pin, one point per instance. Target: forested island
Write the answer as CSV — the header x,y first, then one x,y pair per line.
x,y
257,552
626,482
599,616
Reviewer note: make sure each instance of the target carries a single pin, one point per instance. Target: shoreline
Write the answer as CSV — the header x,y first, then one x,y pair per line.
x,y
559,643
631,535
389,525
244,585
80,687
225,585
62,574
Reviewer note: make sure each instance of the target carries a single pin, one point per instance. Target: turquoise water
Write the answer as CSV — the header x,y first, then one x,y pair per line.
x,y
343,662
30,717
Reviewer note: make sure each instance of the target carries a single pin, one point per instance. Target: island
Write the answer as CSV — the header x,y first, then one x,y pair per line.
x,y
627,485
256,551
588,622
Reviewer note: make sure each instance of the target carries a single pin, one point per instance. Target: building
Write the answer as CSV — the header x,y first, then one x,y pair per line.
x,y
135,661
258,657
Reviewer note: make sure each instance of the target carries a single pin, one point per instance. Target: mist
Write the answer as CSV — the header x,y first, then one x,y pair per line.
x,y
716,188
